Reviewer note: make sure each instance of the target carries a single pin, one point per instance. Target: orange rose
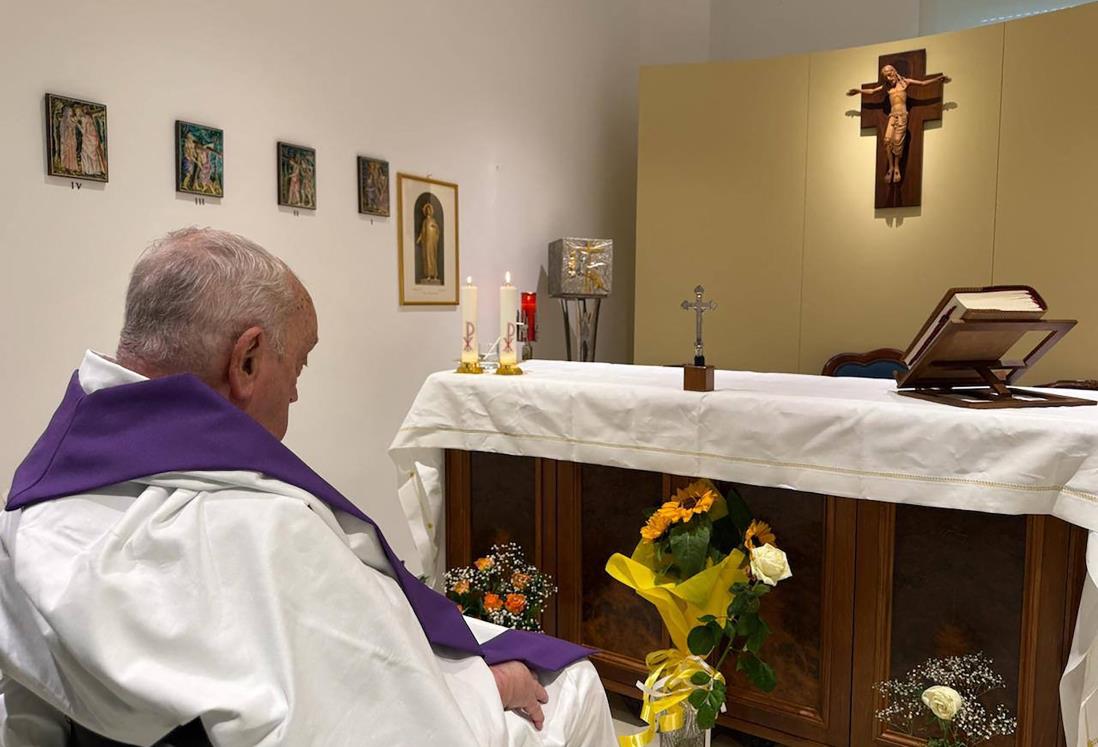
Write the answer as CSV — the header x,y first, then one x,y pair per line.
x,y
519,580
461,587
516,603
492,602
483,564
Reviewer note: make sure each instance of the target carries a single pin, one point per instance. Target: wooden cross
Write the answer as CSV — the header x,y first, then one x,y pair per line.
x,y
923,104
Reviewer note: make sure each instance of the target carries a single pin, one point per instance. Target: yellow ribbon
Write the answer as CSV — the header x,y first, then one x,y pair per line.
x,y
667,686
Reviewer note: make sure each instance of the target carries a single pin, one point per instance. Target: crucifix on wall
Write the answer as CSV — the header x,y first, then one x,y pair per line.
x,y
896,106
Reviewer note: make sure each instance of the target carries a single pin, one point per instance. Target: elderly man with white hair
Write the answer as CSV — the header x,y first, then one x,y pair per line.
x,y
171,573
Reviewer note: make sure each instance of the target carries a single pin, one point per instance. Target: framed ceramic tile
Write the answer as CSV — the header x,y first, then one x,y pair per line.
x,y
296,176
199,159
373,186
76,138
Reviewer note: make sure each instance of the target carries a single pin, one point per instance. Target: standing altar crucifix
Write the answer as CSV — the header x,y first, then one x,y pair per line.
x,y
699,307
897,107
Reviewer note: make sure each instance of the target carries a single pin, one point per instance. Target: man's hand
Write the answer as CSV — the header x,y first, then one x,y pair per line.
x,y
520,690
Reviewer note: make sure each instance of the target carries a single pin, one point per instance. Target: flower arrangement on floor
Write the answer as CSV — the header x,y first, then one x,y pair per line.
x,y
943,700
706,565
501,588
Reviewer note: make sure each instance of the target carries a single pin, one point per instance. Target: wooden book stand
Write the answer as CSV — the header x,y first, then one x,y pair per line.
x,y
964,367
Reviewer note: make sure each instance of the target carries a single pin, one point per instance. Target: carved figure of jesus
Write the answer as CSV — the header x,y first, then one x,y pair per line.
x,y
895,136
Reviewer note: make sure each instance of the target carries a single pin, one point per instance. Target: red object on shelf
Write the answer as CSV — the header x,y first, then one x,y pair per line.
x,y
530,315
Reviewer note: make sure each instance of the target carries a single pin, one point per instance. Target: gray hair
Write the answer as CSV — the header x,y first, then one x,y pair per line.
x,y
194,292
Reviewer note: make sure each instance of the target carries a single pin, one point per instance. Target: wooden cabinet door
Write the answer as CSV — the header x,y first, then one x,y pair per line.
x,y
811,618
937,582
497,498
599,513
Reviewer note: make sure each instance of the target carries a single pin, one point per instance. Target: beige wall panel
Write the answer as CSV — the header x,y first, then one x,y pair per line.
x,y
871,277
1048,188
721,202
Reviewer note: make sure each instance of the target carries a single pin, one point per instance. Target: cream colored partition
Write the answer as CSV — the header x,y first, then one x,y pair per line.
x,y
755,179
1048,178
720,202
871,277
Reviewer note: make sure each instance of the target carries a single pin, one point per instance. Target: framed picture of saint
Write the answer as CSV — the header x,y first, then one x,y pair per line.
x,y
296,176
76,138
199,159
427,237
373,186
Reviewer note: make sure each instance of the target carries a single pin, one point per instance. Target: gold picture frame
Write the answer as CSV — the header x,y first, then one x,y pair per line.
x,y
428,256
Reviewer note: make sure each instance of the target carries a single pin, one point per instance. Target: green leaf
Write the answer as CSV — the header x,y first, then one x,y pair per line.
x,y
747,624
758,637
707,618
700,678
690,543
758,671
738,511
697,698
738,605
701,640
726,537
707,717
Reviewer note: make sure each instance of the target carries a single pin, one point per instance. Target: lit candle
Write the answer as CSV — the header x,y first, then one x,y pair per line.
x,y
508,315
469,348
530,315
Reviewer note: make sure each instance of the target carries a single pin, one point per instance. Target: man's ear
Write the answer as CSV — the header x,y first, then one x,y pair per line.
x,y
244,362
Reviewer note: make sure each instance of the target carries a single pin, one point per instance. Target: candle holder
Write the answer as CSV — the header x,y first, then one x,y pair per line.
x,y
509,369
528,325
469,367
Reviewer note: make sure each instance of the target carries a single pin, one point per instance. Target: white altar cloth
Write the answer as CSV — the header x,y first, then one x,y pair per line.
x,y
847,437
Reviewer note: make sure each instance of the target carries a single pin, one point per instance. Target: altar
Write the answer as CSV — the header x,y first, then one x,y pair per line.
x,y
914,529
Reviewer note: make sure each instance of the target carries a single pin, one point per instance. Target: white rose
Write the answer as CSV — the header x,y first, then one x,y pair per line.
x,y
769,565
944,702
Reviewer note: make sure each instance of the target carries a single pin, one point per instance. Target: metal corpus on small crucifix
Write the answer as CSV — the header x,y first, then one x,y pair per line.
x,y
698,377
896,106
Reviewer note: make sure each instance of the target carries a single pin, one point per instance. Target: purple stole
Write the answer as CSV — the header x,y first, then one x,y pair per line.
x,y
178,424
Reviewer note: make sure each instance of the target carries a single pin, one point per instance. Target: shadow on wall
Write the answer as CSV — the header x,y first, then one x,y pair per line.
x,y
550,344
894,217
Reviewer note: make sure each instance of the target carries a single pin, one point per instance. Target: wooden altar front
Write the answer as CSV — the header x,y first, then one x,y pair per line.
x,y
877,588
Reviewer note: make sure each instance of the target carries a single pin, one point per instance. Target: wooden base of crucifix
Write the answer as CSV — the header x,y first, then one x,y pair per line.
x,y
920,100
697,378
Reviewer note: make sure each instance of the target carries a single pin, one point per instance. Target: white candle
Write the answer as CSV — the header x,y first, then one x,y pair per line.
x,y
508,315
469,348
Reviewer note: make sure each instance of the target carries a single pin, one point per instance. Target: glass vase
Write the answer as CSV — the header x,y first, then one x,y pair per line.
x,y
689,735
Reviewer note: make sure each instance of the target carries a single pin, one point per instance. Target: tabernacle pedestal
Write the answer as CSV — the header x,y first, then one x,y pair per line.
x,y
902,548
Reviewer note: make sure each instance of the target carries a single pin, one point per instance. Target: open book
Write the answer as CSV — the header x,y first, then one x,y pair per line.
x,y
1013,302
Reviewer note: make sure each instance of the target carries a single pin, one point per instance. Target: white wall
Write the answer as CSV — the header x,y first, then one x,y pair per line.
x,y
529,106
936,16
748,29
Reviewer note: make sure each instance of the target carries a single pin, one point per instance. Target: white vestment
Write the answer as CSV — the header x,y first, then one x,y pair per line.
x,y
245,602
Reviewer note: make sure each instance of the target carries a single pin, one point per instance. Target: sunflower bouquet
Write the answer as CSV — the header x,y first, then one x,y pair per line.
x,y
501,588
706,565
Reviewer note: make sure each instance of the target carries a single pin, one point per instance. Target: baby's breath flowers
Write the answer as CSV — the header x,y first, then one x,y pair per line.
x,y
501,588
944,700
